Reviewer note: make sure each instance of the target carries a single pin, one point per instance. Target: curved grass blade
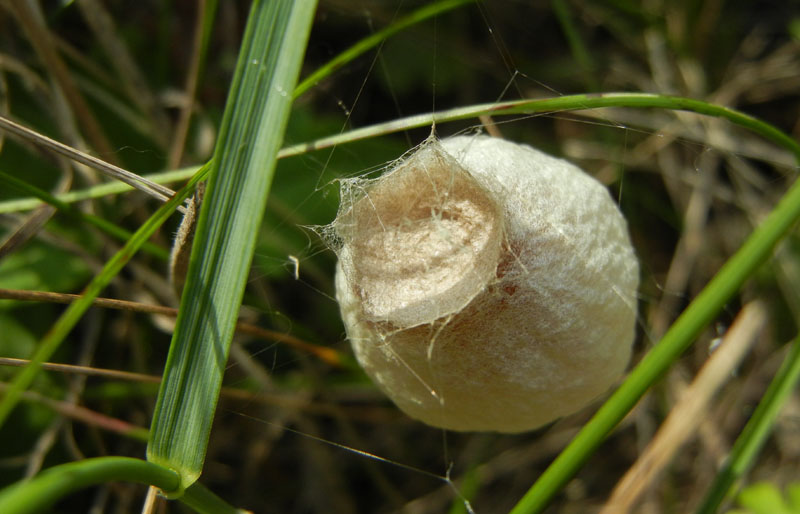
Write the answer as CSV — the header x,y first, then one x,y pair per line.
x,y
548,105
67,321
45,489
42,491
244,162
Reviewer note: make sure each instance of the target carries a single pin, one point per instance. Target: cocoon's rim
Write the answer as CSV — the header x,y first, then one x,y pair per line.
x,y
485,285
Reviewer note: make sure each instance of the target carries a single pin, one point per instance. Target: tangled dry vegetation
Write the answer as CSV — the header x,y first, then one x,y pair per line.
x,y
299,433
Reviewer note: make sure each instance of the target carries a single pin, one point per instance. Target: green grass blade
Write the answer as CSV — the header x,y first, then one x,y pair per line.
x,y
96,191
42,491
756,431
680,336
374,40
244,161
67,321
106,226
46,488
559,104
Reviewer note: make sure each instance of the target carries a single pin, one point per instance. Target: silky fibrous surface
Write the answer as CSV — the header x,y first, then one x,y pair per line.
x,y
423,254
485,285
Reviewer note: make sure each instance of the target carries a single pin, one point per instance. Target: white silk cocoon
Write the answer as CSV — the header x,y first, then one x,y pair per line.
x,y
485,285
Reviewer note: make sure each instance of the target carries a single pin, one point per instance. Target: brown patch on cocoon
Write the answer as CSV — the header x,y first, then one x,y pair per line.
x,y
485,285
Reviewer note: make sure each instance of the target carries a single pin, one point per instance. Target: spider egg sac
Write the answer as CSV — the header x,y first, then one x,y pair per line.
x,y
484,285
